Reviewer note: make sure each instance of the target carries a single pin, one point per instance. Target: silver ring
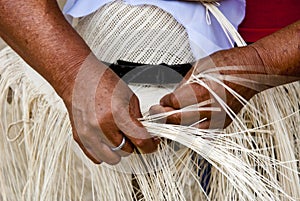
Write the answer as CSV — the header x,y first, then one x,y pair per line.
x,y
120,146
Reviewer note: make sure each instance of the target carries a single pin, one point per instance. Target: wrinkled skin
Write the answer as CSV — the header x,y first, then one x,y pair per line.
x,y
193,93
276,56
102,108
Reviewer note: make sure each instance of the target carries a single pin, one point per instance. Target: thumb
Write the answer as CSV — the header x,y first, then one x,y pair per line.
x,y
127,121
170,100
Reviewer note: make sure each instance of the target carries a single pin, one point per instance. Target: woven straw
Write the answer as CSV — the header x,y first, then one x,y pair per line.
x,y
40,160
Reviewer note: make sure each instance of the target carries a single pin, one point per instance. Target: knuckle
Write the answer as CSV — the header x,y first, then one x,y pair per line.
x,y
154,109
140,143
83,134
115,108
118,112
80,128
175,119
94,122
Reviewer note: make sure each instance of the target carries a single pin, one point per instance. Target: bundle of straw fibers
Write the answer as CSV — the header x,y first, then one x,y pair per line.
x,y
256,158
40,161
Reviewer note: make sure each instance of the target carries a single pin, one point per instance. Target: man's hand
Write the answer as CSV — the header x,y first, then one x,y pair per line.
x,y
211,92
271,61
104,110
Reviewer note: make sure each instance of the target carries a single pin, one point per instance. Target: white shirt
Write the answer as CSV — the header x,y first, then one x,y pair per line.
x,y
193,16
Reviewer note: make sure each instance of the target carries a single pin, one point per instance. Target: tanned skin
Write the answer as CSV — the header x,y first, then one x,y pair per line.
x,y
102,108
100,117
277,54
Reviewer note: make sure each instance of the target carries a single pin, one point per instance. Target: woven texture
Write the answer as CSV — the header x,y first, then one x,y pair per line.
x,y
142,34
40,160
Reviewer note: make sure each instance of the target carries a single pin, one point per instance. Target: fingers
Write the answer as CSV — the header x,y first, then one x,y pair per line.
x,y
194,96
126,149
203,125
185,95
214,124
113,138
181,118
142,139
206,119
95,149
97,142
98,150
127,122
85,151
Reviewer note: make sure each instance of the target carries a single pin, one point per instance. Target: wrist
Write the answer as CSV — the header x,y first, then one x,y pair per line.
x,y
244,64
280,51
84,69
246,59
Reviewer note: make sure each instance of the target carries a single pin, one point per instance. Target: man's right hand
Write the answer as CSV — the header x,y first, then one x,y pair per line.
x,y
104,110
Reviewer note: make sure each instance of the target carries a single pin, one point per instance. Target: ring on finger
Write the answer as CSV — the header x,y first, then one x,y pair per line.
x,y
120,146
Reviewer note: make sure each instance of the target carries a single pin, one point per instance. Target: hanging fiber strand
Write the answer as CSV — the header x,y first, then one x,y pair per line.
x,y
255,158
40,160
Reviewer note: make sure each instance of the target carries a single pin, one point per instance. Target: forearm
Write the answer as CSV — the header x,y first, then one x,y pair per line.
x,y
38,32
275,55
280,52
